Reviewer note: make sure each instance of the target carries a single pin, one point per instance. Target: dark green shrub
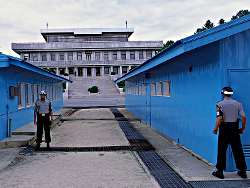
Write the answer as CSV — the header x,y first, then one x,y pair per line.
x,y
66,74
64,86
93,89
112,73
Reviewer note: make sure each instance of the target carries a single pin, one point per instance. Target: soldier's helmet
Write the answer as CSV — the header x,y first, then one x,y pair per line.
x,y
227,91
43,92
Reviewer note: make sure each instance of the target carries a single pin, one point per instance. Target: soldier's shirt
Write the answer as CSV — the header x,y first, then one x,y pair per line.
x,y
43,107
229,109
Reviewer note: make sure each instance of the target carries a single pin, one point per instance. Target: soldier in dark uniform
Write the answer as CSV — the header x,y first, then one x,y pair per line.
x,y
229,133
42,110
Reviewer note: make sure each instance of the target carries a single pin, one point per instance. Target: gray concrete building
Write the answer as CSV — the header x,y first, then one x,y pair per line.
x,y
87,52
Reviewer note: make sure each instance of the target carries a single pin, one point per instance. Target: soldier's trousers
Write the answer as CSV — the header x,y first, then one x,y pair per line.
x,y
43,122
229,134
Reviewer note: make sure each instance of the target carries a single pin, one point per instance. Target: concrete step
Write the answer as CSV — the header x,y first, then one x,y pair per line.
x,y
79,88
17,141
28,129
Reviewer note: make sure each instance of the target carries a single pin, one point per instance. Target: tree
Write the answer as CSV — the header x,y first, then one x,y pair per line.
x,y
167,44
240,14
221,21
206,26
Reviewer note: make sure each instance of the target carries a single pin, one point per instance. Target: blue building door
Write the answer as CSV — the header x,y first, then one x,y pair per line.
x,y
239,80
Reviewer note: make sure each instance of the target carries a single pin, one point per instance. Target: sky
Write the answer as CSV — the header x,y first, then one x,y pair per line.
x,y
21,21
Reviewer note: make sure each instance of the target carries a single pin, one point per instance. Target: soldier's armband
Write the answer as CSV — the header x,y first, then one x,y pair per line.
x,y
218,111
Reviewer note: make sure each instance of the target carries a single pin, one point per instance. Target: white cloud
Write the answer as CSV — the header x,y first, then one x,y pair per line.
x,y
21,21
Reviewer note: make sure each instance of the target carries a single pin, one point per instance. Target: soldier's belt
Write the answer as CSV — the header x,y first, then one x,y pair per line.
x,y
43,114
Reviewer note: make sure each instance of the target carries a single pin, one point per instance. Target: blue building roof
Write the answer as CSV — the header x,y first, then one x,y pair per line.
x,y
190,43
6,61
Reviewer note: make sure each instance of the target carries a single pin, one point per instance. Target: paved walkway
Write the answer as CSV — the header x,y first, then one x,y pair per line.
x,y
81,169
118,168
92,102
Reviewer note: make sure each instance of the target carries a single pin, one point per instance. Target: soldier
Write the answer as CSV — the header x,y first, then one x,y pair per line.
x,y
42,110
227,120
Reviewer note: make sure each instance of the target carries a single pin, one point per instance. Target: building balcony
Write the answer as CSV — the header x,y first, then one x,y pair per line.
x,y
93,45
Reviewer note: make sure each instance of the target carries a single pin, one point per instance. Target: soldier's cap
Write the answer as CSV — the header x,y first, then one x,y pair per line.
x,y
227,91
43,92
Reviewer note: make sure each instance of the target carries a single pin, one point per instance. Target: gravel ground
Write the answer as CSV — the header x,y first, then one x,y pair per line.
x,y
81,169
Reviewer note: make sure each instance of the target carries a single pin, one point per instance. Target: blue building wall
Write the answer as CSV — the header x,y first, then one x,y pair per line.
x,y
189,115
10,76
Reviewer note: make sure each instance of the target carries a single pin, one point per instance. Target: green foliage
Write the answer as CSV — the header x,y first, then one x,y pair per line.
x,y
221,21
209,24
64,86
66,74
121,84
132,67
112,73
240,14
167,44
93,89
48,70
206,26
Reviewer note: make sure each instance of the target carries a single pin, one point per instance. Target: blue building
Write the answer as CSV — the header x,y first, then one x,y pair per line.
x,y
21,83
176,90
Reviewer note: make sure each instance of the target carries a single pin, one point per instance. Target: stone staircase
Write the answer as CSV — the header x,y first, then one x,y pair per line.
x,y
79,88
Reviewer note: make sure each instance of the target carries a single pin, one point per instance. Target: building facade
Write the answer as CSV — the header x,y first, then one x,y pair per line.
x,y
87,52
21,83
177,90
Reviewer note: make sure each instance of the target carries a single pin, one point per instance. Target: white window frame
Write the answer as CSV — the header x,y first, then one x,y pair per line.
x,y
159,88
28,95
153,89
21,96
166,89
34,94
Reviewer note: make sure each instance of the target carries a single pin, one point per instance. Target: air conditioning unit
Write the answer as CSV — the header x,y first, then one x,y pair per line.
x,y
14,91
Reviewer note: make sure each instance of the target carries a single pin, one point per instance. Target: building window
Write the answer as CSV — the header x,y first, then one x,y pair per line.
x,y
79,55
149,54
141,55
98,71
106,70
50,93
38,91
70,56
166,89
80,73
106,56
97,56
115,55
26,57
88,56
28,94
153,90
124,70
62,71
132,55
115,69
159,88
21,96
71,70
142,90
54,93
61,56
34,94
52,57
123,53
35,57
44,57
89,72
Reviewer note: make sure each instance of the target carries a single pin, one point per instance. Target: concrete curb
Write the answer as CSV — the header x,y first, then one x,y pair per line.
x,y
26,134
